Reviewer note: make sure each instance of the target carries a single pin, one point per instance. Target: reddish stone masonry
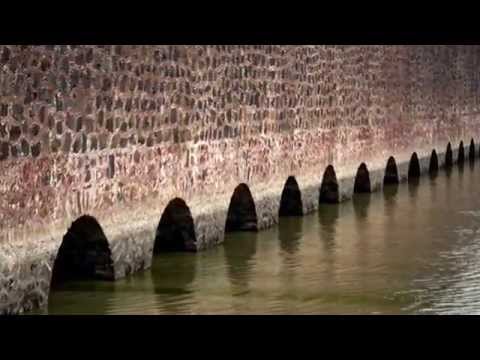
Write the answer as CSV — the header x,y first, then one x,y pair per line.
x,y
117,132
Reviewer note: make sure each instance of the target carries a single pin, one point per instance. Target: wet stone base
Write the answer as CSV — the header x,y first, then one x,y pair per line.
x,y
25,283
25,287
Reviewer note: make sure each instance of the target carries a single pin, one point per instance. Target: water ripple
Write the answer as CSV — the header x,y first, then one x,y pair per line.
x,y
418,254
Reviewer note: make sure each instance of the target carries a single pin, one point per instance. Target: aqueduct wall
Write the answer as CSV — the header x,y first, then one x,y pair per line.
x,y
117,132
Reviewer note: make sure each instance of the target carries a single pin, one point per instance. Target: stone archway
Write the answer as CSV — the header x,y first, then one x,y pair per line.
x,y
291,200
329,189
414,167
176,231
433,166
242,215
391,172
83,254
362,180
461,154
471,151
449,156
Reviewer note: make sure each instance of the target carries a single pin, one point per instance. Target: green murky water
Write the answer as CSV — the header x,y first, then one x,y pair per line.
x,y
414,250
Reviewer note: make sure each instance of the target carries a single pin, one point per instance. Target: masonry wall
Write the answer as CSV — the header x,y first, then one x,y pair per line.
x,y
118,131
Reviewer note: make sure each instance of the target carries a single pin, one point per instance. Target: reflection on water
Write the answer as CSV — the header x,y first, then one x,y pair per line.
x,y
240,249
328,217
172,279
361,204
413,186
390,198
290,232
94,297
471,164
412,248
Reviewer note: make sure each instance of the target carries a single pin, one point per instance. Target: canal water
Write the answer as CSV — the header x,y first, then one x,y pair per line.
x,y
411,249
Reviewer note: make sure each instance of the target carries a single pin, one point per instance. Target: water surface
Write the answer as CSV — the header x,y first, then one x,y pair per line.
x,y
411,249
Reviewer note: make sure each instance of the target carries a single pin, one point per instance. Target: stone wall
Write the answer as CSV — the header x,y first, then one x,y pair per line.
x,y
117,132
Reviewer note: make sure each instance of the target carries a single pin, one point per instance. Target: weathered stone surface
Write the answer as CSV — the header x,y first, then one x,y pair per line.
x,y
118,131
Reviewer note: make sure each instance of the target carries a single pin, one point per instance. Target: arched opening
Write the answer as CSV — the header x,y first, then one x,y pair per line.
x,y
362,180
175,231
448,157
433,167
242,215
329,188
83,254
391,172
414,167
461,154
291,201
471,151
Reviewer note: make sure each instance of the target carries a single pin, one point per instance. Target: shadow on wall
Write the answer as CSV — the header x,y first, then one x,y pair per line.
x,y
175,231
242,215
83,254
291,201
